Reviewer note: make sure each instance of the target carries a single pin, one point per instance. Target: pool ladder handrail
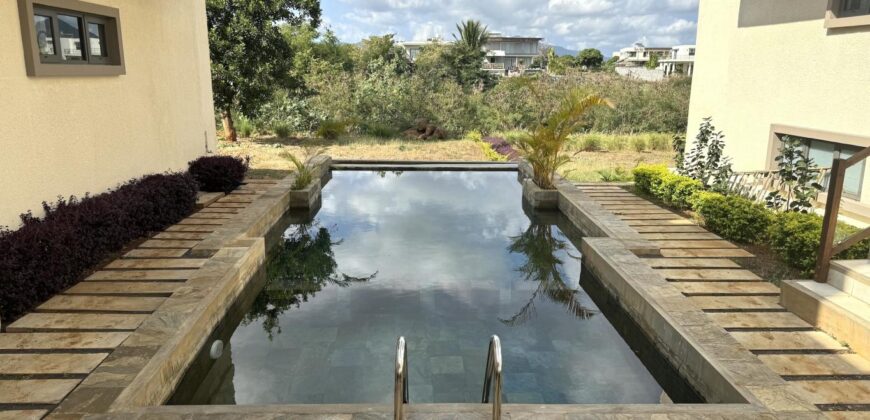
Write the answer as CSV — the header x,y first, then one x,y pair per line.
x,y
400,397
492,378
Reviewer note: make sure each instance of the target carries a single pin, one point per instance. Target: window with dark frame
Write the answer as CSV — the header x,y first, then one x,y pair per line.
x,y
71,38
823,154
854,8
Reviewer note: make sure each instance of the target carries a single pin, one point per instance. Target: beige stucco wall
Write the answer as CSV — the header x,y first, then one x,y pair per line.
x,y
72,135
764,62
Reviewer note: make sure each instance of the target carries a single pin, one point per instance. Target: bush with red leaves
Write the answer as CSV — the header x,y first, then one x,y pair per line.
x,y
219,173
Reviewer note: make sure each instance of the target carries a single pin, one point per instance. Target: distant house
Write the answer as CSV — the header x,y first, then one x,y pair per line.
x,y
98,92
505,55
816,91
639,55
681,60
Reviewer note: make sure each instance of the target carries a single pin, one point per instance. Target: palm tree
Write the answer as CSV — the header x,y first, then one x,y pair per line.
x,y
472,34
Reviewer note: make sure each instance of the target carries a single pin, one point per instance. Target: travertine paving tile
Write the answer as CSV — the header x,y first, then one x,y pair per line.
x,y
157,253
667,216
168,243
35,391
228,205
62,340
119,288
158,263
706,253
50,364
22,414
817,364
760,320
223,210
708,274
194,236
623,201
191,228
790,340
204,222
208,215
634,212
834,392
760,287
67,321
663,229
236,199
690,263
704,244
680,236
735,302
85,303
668,222
141,275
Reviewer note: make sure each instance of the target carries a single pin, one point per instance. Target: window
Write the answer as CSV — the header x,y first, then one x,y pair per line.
x,y
823,154
691,51
846,13
71,38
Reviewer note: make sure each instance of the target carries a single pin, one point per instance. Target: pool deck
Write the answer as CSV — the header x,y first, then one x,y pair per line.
x,y
701,265
116,345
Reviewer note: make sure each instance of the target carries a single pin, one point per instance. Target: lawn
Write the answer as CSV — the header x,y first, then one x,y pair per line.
x,y
266,154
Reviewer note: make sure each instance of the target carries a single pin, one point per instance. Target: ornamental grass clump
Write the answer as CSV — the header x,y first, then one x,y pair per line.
x,y
544,148
304,166
48,254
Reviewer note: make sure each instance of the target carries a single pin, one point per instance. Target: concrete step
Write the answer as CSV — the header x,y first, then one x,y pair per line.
x,y
831,310
852,277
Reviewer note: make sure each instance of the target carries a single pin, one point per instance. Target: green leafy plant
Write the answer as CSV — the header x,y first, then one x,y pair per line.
x,y
282,131
795,176
706,161
678,143
591,143
617,174
474,135
544,149
331,129
796,238
648,177
639,144
653,61
304,166
733,217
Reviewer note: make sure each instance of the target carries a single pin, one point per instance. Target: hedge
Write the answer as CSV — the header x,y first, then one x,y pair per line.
x,y
648,177
733,217
49,254
218,173
795,237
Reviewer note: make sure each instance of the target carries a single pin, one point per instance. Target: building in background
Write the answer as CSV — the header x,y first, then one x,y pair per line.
x,y
657,63
681,60
639,55
505,55
93,98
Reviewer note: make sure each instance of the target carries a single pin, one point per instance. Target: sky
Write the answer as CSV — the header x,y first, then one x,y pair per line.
x,y
574,24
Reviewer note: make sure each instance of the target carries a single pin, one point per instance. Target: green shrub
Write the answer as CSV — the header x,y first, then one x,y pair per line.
x,y
331,129
491,155
660,142
591,143
683,191
733,217
380,131
639,144
647,177
616,143
474,135
618,174
281,130
245,127
796,238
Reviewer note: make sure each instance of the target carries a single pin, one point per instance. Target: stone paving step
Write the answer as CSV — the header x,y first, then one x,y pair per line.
x,y
647,217
706,253
623,207
219,210
242,191
206,215
670,222
702,274
42,322
622,201
834,392
168,243
23,414
711,288
691,244
236,199
196,236
85,303
690,263
228,205
121,288
204,222
62,340
787,340
50,364
670,229
758,320
141,275
735,302
192,228
847,415
680,236
817,364
157,253
635,212
158,263
35,391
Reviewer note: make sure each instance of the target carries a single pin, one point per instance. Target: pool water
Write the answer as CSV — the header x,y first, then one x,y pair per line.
x,y
445,259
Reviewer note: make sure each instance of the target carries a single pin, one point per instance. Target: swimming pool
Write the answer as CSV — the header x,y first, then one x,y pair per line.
x,y
445,259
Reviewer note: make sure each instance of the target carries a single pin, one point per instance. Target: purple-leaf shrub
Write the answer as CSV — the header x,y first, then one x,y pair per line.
x,y
219,173
49,254
502,147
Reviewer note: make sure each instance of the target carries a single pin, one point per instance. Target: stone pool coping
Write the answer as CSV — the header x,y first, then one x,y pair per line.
x,y
737,384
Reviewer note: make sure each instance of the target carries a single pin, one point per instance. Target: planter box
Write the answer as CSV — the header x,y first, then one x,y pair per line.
x,y
539,198
305,198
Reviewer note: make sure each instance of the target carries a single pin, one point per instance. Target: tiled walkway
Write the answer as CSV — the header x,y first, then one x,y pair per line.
x,y
47,353
701,265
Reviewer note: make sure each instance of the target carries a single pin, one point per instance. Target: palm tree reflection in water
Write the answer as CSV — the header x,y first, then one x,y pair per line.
x,y
301,265
541,246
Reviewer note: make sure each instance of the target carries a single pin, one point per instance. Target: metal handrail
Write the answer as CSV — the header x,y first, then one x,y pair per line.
x,y
493,379
400,397
829,248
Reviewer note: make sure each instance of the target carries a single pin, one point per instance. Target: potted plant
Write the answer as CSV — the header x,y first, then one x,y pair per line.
x,y
305,189
544,148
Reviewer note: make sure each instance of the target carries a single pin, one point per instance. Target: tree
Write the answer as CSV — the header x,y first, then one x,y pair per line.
x,y
384,49
249,55
653,61
796,175
472,34
591,58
